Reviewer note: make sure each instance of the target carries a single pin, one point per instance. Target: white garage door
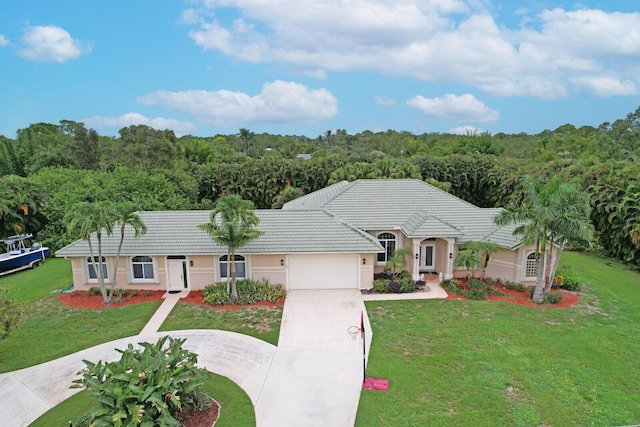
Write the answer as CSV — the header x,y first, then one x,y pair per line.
x,y
323,271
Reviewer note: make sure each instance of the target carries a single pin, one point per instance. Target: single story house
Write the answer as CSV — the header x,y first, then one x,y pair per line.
x,y
334,238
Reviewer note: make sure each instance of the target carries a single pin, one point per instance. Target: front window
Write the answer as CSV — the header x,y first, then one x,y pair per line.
x,y
531,266
388,242
142,268
91,270
225,266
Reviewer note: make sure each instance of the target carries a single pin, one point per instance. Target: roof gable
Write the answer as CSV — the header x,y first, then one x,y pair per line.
x,y
416,207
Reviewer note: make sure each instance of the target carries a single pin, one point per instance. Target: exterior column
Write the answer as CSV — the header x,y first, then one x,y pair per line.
x,y
415,262
448,274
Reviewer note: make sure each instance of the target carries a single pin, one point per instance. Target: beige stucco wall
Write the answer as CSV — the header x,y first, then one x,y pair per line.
x,y
507,265
268,267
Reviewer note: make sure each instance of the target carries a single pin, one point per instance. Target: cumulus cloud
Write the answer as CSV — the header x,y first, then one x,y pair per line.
x,y
384,101
131,119
51,43
279,101
4,41
549,55
463,108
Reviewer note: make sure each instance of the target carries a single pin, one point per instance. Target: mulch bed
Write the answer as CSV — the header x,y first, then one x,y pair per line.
x,y
568,298
82,299
191,418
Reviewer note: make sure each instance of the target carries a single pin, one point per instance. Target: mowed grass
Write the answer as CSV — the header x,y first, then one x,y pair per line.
x,y
236,407
484,363
257,321
51,329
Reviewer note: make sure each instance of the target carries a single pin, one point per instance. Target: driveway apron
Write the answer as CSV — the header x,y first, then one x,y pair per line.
x,y
316,375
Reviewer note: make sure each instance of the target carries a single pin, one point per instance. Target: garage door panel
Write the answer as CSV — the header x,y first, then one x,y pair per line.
x,y
323,271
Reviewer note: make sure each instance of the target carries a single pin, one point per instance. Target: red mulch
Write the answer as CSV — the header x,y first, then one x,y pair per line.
x,y
82,299
191,418
523,298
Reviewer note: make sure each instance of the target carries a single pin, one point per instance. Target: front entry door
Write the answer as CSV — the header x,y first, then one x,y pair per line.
x,y
427,257
177,275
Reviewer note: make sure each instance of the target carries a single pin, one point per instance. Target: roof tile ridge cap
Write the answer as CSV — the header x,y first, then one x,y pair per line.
x,y
339,220
437,218
519,241
419,214
347,186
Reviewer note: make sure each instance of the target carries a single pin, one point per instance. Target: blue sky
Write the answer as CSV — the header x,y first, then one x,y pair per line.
x,y
302,67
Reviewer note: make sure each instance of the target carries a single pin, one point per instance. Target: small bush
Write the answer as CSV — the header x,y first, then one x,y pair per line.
x,y
554,298
567,280
475,284
455,282
450,287
476,294
515,286
94,290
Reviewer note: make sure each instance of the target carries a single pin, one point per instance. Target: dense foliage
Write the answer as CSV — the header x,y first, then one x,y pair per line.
x,y
145,387
249,292
60,165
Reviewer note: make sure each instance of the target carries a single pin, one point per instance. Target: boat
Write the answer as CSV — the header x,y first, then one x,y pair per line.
x,y
18,257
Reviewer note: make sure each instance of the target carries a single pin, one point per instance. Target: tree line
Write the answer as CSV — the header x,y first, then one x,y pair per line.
x,y
47,169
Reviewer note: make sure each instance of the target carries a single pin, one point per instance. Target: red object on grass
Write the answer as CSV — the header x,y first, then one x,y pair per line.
x,y
375,384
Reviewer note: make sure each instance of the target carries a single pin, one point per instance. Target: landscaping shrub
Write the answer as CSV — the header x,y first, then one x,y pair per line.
x,y
554,298
94,290
145,387
476,294
450,287
403,283
515,286
475,284
567,280
249,292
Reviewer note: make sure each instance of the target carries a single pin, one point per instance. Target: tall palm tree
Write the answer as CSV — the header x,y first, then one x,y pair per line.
x,y
232,224
125,216
87,218
551,213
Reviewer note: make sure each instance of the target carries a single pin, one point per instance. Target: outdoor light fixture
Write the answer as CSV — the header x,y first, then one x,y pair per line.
x,y
417,256
281,262
450,255
364,261
190,263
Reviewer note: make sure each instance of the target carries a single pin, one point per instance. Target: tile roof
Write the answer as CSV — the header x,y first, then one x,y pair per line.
x,y
417,208
177,233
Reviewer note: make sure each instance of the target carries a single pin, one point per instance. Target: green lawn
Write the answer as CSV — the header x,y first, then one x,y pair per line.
x,y
487,363
51,329
259,322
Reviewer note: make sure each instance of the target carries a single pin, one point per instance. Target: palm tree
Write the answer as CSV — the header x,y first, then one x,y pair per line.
x,y
484,249
126,216
553,213
232,224
469,260
87,218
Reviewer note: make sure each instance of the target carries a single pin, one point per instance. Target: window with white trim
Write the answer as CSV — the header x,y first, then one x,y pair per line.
x,y
531,265
388,242
142,268
91,271
225,266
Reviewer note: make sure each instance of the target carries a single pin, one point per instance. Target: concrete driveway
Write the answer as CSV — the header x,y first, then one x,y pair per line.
x,y
317,371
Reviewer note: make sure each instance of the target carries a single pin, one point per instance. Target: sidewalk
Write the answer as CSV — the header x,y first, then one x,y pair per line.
x,y
170,301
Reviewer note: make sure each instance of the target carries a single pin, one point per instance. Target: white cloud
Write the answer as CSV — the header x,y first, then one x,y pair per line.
x,y
436,41
464,108
4,41
466,130
384,101
284,102
51,43
131,119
